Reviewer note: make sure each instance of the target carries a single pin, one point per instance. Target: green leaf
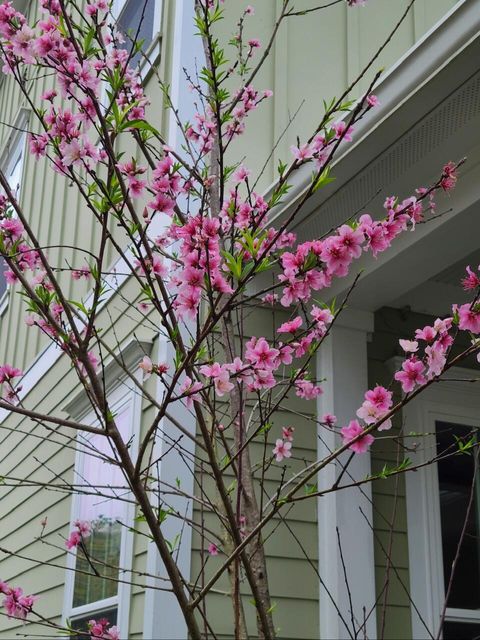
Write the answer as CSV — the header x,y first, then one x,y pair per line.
x,y
310,489
141,125
322,180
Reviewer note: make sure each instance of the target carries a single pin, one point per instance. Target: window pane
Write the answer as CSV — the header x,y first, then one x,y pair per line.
x,y
13,172
3,282
455,475
461,631
129,21
82,623
102,547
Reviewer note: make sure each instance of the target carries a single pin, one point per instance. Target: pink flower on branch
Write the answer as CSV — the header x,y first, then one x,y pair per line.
x,y
282,449
15,603
307,389
354,432
411,374
82,531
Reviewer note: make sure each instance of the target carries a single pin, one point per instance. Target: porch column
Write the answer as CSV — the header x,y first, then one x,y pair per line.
x,y
342,362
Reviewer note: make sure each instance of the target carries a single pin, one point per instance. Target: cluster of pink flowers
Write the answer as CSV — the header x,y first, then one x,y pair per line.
x,y
220,374
12,244
248,100
102,629
434,342
201,260
377,404
80,79
147,366
315,263
15,603
166,186
353,432
7,377
82,530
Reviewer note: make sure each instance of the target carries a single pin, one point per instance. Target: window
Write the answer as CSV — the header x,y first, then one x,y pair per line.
x,y
11,163
455,479
437,499
140,20
108,547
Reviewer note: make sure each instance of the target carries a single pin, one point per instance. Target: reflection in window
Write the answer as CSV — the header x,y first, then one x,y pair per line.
x,y
455,478
136,21
81,623
101,550
461,631
12,167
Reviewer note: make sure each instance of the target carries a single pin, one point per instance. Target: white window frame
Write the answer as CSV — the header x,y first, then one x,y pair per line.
x,y
153,50
449,401
122,393
12,150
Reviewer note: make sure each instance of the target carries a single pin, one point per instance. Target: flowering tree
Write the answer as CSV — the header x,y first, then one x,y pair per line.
x,y
196,280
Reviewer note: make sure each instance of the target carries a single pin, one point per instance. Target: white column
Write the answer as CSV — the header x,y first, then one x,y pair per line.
x,y
163,619
342,361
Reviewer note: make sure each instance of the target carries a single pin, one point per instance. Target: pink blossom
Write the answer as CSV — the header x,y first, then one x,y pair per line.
x,y
302,153
213,549
83,272
411,374
436,359
282,450
471,280
291,326
329,420
409,346
11,228
240,174
146,365
352,431
16,604
190,390
442,326
307,389
449,177
380,397
73,540
100,629
8,373
372,100
270,298
427,333
82,530
287,433
469,318
260,354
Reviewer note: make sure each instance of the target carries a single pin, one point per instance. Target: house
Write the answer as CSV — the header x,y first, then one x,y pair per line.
x,y
398,535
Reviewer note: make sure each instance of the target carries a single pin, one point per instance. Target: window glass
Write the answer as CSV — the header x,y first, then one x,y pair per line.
x,y
455,477
82,623
102,548
12,169
137,15
461,631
